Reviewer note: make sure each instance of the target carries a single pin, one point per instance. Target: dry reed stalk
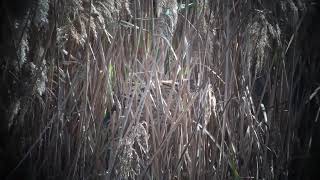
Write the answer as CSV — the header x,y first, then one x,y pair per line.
x,y
189,92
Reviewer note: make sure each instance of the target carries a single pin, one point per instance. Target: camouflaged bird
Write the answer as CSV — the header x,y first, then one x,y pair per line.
x,y
165,25
167,13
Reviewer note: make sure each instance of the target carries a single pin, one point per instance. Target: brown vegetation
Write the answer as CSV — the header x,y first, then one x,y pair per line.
x,y
162,89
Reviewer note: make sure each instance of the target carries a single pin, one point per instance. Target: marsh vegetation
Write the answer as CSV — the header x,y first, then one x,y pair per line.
x,y
162,89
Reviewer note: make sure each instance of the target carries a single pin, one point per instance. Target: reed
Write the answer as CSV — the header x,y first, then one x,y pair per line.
x,y
138,89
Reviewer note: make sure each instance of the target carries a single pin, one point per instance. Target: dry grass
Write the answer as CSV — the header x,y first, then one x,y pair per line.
x,y
190,90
